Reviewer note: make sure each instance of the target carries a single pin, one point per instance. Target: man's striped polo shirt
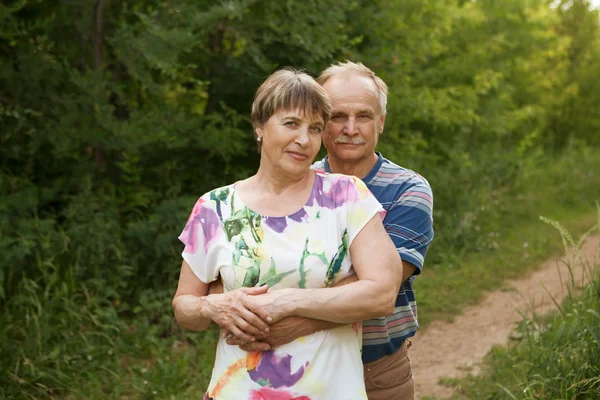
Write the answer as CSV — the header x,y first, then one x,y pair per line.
x,y
408,201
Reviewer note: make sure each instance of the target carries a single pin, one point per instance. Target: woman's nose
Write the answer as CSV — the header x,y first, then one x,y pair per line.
x,y
302,139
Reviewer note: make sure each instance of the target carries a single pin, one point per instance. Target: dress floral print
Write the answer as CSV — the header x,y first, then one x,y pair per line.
x,y
307,249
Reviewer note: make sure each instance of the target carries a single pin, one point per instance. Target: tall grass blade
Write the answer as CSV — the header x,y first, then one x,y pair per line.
x,y
508,392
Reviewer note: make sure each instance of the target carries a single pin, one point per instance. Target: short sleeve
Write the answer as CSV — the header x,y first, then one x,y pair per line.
x,y
361,208
409,223
201,233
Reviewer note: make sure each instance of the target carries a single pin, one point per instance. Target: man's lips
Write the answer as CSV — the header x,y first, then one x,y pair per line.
x,y
350,144
297,156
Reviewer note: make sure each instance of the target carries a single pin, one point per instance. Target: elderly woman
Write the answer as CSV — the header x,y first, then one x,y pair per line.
x,y
280,240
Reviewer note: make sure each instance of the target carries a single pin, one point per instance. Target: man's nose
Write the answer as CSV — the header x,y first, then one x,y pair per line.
x,y
350,127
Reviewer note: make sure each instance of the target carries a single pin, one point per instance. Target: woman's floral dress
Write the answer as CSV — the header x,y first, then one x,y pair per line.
x,y
306,249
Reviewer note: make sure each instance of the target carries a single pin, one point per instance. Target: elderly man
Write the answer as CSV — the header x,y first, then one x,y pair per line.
x,y
359,100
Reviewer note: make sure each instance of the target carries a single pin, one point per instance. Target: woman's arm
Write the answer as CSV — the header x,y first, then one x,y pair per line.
x,y
195,310
379,270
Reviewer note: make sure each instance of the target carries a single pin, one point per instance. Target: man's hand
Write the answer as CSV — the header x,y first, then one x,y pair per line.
x,y
283,332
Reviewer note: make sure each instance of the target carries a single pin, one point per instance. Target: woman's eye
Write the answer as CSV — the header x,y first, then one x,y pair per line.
x,y
290,123
316,129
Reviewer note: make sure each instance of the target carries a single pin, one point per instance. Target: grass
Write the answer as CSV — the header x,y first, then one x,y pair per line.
x,y
91,354
560,361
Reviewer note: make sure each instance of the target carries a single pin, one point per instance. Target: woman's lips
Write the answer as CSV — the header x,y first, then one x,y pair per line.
x,y
297,156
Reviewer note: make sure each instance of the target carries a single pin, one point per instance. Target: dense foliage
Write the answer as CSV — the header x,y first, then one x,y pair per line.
x,y
116,115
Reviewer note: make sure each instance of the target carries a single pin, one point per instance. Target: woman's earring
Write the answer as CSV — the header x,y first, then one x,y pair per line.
x,y
259,139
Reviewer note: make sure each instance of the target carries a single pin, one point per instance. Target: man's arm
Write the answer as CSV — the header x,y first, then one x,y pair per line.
x,y
409,224
408,270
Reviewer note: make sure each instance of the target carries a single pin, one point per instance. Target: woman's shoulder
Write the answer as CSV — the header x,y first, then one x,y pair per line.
x,y
219,194
212,199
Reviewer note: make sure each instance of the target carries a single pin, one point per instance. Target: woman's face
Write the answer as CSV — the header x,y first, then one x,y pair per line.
x,y
291,141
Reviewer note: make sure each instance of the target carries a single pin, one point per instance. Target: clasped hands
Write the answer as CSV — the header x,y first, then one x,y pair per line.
x,y
249,318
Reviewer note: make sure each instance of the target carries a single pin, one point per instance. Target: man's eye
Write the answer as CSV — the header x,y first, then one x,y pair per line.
x,y
364,116
337,117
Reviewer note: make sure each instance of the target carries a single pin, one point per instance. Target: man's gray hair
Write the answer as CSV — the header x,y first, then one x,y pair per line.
x,y
351,68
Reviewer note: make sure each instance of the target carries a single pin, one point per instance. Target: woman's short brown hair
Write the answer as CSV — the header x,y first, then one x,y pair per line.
x,y
289,89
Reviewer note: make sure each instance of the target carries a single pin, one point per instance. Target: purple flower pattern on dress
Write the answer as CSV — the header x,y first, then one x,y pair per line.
x,y
274,371
278,224
299,216
202,219
340,193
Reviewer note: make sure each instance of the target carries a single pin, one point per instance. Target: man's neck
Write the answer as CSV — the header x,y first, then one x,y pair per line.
x,y
359,169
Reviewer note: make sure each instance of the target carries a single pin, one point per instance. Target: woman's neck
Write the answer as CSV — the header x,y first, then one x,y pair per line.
x,y
276,195
272,182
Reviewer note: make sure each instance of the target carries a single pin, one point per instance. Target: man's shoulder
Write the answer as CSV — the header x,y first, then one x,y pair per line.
x,y
395,177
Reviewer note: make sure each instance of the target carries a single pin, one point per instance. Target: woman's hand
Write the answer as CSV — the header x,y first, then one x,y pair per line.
x,y
272,302
235,312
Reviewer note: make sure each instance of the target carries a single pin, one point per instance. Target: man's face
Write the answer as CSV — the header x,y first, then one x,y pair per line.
x,y
356,120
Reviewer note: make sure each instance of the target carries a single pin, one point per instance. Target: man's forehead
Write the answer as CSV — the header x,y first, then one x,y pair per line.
x,y
356,82
348,106
351,89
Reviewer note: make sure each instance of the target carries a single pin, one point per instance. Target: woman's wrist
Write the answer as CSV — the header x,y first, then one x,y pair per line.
x,y
286,301
189,312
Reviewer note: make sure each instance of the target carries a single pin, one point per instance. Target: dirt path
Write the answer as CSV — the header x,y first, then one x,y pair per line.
x,y
451,350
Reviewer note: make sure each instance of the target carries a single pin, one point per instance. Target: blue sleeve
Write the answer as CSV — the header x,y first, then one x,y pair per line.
x,y
409,222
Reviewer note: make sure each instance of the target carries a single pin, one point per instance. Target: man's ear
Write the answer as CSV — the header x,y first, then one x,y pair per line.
x,y
381,123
